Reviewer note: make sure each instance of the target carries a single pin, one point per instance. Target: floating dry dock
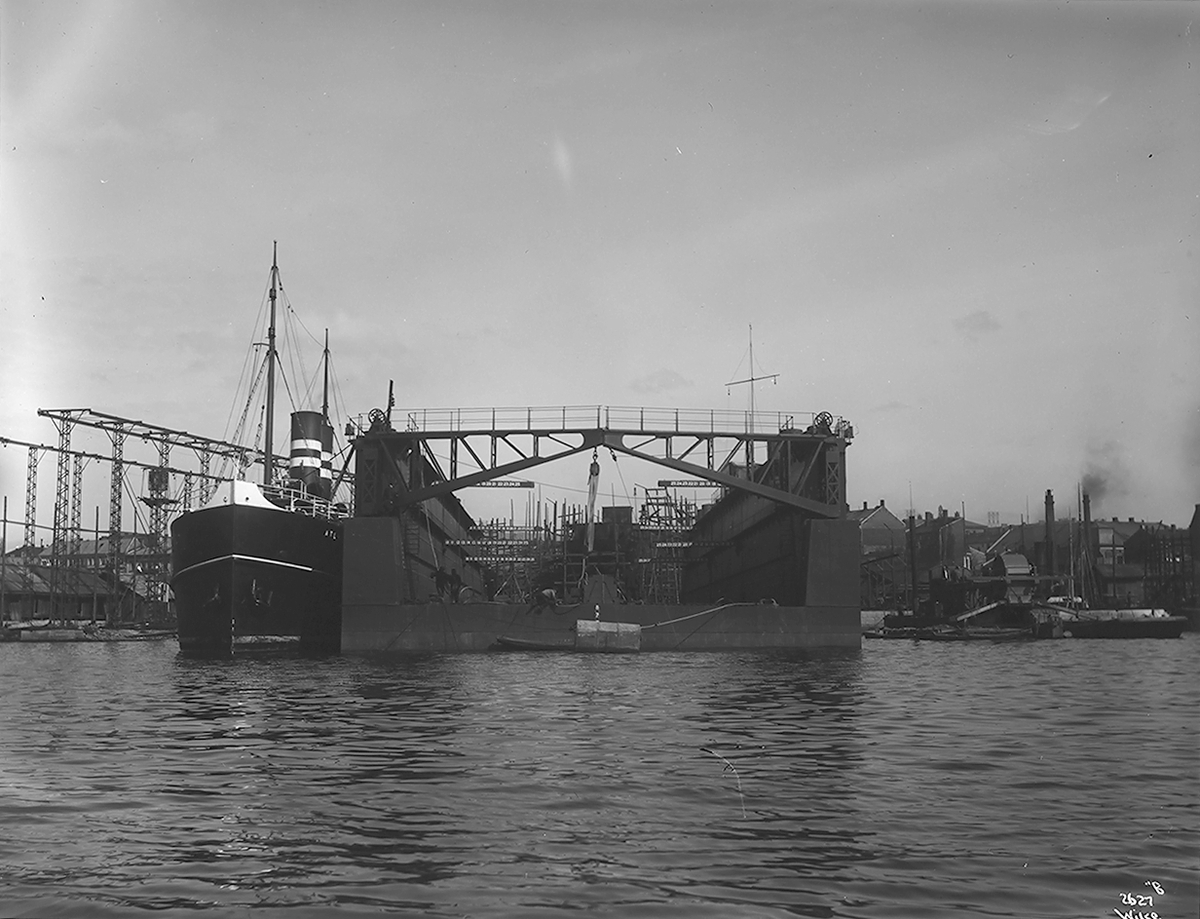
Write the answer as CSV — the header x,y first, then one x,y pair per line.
x,y
773,563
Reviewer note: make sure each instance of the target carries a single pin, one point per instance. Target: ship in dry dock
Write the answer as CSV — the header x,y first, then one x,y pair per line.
x,y
771,563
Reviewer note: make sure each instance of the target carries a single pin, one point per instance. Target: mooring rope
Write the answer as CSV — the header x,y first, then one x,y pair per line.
x,y
703,612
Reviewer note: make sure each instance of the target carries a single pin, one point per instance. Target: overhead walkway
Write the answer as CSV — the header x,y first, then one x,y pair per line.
x,y
793,458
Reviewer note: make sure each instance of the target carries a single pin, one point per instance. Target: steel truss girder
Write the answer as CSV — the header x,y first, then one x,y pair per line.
x,y
835,483
159,499
62,490
732,481
792,459
58,544
115,495
150,432
76,528
118,464
35,454
206,489
87,455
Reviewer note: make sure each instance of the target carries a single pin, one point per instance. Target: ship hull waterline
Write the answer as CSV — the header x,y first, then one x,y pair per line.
x,y
252,577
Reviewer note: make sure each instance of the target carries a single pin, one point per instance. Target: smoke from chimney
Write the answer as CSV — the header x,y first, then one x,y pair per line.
x,y
1105,476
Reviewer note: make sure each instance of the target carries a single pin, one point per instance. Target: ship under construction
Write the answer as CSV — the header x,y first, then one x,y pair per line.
x,y
772,561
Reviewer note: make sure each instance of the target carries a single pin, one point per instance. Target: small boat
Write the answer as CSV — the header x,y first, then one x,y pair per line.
x,y
999,620
977,633
948,632
47,631
1120,623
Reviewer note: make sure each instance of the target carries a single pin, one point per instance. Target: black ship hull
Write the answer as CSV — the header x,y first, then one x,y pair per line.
x,y
255,576
1120,627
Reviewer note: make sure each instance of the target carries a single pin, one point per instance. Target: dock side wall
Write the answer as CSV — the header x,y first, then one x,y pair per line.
x,y
834,553
376,616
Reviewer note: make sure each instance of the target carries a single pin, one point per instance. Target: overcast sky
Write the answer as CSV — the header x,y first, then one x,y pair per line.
x,y
969,228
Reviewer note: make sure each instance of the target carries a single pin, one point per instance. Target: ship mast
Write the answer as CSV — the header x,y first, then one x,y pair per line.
x,y
268,448
325,396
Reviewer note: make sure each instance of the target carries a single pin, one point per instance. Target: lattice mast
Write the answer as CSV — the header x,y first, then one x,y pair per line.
x,y
35,454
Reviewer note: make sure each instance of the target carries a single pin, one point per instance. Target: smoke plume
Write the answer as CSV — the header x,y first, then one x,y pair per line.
x,y
1104,475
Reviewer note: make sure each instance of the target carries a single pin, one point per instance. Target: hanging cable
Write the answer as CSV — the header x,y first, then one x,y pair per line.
x,y
593,486
620,475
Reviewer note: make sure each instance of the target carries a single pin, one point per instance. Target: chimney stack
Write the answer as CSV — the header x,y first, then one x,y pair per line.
x,y
1049,559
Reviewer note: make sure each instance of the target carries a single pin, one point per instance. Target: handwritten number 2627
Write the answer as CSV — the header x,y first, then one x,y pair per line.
x,y
1137,899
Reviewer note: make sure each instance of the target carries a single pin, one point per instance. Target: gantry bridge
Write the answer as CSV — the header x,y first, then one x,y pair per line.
x,y
218,461
793,458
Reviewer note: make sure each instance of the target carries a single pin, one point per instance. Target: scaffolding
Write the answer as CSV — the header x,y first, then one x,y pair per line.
x,y
666,519
135,564
511,556
643,559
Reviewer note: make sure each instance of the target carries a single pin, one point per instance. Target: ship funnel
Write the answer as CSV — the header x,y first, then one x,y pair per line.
x,y
311,464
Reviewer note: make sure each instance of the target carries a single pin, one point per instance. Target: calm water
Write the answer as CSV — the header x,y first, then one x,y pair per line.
x,y
907,779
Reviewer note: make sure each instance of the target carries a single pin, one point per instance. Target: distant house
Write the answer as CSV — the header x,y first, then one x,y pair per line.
x,y
1120,562
941,541
140,563
32,591
77,585
880,531
1145,563
883,570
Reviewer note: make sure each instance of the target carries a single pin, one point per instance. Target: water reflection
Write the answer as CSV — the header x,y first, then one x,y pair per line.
x,y
894,781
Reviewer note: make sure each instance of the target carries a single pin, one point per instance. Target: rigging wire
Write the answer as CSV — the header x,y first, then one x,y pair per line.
x,y
133,504
293,371
240,432
617,466
295,354
244,376
297,350
288,389
337,402
728,391
238,397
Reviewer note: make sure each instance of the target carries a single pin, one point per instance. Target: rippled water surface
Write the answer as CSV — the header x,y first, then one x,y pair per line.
x,y
908,779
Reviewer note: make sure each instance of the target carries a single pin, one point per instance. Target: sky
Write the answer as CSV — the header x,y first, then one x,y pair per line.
x,y
969,228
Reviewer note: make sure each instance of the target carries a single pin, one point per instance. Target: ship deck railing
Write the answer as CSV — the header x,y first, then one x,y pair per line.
x,y
301,502
630,419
